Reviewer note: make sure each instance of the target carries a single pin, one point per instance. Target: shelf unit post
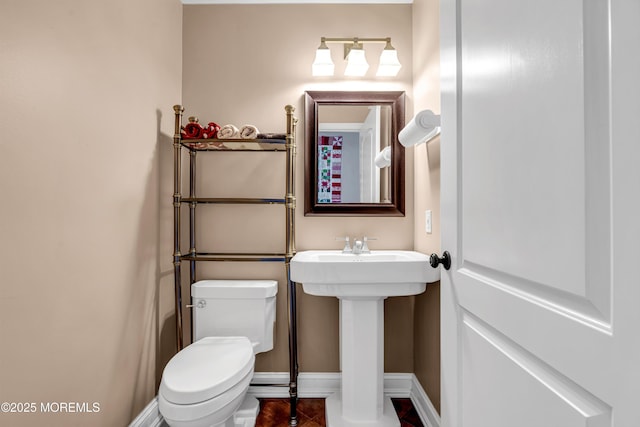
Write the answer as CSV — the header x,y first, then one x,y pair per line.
x,y
192,216
192,225
290,205
177,198
290,198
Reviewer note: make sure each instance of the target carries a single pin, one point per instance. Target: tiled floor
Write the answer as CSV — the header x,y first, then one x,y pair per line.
x,y
407,413
275,413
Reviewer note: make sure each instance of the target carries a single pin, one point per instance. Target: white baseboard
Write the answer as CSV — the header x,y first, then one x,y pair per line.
x,y
310,384
149,417
422,403
321,384
316,385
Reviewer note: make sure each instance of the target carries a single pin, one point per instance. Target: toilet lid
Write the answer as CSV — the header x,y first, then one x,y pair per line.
x,y
206,368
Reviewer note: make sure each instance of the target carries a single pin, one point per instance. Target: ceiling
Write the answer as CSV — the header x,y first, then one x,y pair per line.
x,y
297,1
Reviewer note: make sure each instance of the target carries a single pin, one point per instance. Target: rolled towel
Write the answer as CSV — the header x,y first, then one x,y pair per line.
x,y
248,132
193,129
228,132
211,131
424,126
383,158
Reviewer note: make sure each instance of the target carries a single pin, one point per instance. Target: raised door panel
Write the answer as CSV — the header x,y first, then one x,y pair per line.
x,y
529,393
534,119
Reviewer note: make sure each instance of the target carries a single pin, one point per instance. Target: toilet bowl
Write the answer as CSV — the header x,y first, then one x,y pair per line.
x,y
206,384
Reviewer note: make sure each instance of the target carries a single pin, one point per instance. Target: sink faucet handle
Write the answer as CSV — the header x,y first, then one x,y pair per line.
x,y
357,246
347,247
365,239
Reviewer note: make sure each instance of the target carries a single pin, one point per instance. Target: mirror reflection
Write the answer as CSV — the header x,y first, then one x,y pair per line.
x,y
354,162
350,140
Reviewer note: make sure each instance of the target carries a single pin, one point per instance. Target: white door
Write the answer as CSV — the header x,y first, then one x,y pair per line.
x,y
541,213
369,148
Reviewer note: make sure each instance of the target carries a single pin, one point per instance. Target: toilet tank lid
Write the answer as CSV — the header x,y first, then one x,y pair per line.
x,y
249,289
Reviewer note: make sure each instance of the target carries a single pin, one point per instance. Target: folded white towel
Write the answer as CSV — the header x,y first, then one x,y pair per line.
x,y
248,132
228,132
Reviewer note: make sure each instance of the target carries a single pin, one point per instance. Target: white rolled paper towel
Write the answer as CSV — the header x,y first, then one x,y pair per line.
x,y
423,126
383,158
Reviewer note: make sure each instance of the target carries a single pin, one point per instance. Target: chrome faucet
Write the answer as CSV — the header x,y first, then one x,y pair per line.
x,y
361,246
358,246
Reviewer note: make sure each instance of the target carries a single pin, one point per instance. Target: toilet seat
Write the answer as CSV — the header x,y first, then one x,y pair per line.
x,y
210,412
206,369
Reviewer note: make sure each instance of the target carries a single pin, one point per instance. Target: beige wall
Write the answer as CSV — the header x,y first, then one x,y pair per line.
x,y
85,116
426,92
244,64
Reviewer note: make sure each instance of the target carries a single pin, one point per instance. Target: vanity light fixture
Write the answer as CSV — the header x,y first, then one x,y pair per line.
x,y
354,54
389,64
356,61
323,65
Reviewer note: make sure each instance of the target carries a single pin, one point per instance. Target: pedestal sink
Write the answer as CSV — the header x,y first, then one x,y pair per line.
x,y
361,283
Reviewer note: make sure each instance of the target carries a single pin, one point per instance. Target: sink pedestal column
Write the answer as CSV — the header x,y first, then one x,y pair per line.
x,y
361,402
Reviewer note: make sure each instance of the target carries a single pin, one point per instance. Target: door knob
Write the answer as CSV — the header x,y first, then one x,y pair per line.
x,y
435,260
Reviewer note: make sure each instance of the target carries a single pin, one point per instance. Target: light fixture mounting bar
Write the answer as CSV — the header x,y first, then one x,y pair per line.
x,y
355,39
354,42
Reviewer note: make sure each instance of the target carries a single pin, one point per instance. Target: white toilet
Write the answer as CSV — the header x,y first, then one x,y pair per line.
x,y
205,384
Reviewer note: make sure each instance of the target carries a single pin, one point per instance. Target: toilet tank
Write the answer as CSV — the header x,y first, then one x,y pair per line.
x,y
224,308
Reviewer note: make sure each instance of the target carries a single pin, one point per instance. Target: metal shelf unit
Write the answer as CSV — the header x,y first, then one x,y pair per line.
x,y
286,145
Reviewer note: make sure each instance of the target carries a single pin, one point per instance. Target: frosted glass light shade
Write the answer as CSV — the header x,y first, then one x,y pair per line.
x,y
389,64
356,63
323,65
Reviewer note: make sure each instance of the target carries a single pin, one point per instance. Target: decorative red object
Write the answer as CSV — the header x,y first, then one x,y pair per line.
x,y
211,131
192,130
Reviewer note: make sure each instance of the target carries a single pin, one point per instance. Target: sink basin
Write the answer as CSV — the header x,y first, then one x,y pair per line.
x,y
376,274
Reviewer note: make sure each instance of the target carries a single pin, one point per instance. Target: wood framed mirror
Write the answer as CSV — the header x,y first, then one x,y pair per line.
x,y
346,171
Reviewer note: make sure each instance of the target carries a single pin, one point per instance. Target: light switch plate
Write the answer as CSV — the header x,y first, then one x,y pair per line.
x,y
427,221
